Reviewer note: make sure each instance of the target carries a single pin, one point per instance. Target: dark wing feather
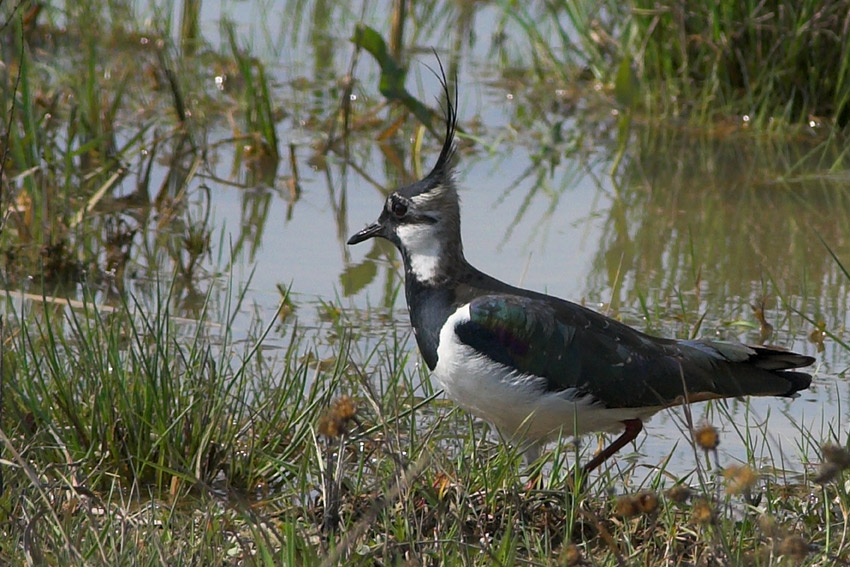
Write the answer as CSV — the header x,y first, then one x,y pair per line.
x,y
574,347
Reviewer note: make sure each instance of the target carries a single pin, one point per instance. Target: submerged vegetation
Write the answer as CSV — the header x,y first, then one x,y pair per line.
x,y
181,423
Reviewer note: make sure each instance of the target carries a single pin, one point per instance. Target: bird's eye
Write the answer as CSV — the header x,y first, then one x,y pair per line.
x,y
399,208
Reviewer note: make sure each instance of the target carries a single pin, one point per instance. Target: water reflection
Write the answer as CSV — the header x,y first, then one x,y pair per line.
x,y
724,214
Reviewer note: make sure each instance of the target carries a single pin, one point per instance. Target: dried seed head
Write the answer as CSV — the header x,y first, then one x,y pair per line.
x,y
329,427
794,546
827,472
344,407
836,454
768,525
679,493
571,556
703,513
739,480
335,421
706,436
627,506
817,337
647,502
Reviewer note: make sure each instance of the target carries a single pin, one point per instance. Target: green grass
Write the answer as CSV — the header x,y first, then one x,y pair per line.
x,y
89,116
134,437
765,65
257,106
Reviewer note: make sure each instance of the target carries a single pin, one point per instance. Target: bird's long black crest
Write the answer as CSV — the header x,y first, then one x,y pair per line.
x,y
439,181
444,161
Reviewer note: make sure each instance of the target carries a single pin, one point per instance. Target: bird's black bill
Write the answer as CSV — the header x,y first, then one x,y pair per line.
x,y
366,233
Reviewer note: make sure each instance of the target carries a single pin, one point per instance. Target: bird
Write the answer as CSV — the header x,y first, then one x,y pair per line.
x,y
537,366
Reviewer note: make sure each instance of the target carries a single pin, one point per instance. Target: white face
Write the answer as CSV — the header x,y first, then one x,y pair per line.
x,y
422,243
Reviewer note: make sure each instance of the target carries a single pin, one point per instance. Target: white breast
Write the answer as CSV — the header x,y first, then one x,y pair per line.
x,y
517,404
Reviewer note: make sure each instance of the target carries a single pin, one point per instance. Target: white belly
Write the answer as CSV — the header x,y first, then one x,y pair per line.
x,y
518,404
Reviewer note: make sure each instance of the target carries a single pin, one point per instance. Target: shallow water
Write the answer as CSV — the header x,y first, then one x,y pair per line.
x,y
689,232
689,243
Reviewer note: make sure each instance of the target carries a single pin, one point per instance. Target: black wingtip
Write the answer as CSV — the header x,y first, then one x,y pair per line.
x,y
784,363
799,381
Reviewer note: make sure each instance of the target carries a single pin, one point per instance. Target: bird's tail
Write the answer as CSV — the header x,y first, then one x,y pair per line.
x,y
756,370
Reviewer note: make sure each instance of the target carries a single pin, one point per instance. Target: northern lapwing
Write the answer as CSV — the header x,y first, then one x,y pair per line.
x,y
535,365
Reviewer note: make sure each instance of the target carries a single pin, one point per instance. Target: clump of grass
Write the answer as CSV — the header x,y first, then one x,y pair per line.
x,y
85,134
767,60
260,116
118,408
766,64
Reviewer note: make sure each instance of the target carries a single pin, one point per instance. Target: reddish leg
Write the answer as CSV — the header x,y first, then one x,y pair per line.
x,y
633,427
